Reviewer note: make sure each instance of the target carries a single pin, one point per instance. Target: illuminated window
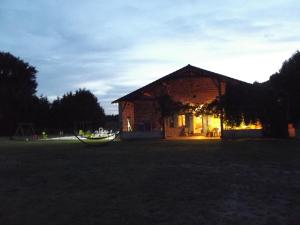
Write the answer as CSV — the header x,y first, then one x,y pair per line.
x,y
181,120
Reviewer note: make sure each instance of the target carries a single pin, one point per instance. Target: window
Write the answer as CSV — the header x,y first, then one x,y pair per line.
x,y
181,120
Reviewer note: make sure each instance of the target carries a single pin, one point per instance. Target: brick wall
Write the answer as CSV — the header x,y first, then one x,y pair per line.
x,y
192,90
145,116
126,110
188,90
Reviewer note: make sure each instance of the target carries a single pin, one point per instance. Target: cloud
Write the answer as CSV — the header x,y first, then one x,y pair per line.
x,y
98,87
114,47
51,98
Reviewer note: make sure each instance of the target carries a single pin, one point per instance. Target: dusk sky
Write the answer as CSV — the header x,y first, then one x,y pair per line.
x,y
113,47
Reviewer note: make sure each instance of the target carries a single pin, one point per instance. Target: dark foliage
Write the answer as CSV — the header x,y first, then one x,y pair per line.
x,y
112,122
79,110
256,102
39,113
112,117
286,83
239,104
274,103
18,102
17,92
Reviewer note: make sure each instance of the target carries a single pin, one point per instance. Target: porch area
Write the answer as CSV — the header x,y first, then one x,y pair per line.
x,y
193,126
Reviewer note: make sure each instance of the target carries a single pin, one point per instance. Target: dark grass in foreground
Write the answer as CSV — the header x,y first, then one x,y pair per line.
x,y
150,182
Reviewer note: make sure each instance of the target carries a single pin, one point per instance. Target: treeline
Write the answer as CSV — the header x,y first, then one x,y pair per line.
x,y
275,103
19,102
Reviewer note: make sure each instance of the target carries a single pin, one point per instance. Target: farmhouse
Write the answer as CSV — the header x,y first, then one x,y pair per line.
x,y
140,116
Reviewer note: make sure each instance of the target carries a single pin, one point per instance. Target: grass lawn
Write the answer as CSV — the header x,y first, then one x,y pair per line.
x,y
150,182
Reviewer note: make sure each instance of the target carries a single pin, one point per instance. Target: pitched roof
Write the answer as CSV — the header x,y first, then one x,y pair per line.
x,y
187,71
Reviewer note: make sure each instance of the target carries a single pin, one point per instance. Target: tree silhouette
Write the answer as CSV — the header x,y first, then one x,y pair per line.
x,y
41,114
286,84
17,90
79,107
274,103
251,103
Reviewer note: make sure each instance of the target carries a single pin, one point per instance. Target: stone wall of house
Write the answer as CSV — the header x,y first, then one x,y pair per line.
x,y
141,135
243,133
194,90
146,116
126,109
174,132
190,90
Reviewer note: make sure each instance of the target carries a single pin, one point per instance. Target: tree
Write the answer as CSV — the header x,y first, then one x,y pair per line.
x,y
251,103
77,108
239,104
243,103
167,106
286,84
41,113
17,90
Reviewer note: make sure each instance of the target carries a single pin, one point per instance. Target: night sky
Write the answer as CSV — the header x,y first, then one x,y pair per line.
x,y
113,47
